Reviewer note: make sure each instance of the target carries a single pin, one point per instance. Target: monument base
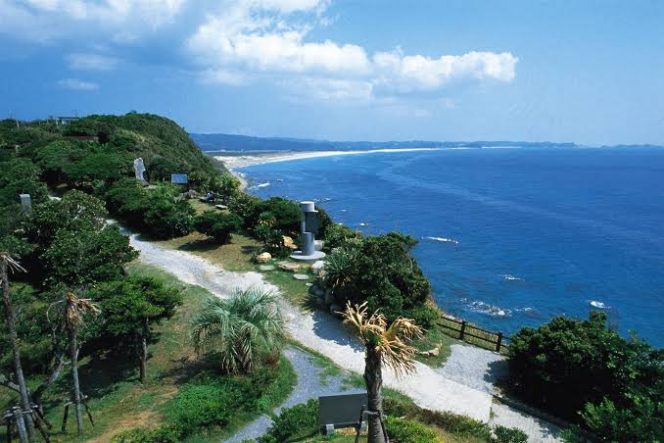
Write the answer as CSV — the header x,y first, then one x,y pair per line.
x,y
317,255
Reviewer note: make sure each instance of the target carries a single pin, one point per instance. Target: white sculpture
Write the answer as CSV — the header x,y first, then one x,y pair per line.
x,y
139,170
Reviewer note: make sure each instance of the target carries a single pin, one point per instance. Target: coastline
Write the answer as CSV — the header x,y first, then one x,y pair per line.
x,y
234,162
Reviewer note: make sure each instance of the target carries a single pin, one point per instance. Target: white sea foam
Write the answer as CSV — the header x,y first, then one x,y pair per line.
x,y
510,277
443,240
363,224
486,308
260,185
598,304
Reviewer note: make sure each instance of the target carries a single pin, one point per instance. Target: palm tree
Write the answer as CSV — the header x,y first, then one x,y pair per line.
x,y
384,344
240,328
75,309
7,262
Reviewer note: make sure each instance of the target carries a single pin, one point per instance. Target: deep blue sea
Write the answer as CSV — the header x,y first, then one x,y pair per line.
x,y
508,237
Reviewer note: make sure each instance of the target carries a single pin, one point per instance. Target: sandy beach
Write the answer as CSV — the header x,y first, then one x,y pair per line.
x,y
256,158
236,161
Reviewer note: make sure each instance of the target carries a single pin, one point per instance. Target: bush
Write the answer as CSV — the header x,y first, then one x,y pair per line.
x,y
285,214
381,271
456,424
156,212
164,434
336,235
212,401
296,422
567,363
509,435
247,207
217,225
410,431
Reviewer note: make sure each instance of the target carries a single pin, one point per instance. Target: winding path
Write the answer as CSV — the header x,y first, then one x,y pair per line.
x,y
463,386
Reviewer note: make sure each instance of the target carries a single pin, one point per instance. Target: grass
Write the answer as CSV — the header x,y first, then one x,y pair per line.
x,y
118,401
238,256
235,256
435,337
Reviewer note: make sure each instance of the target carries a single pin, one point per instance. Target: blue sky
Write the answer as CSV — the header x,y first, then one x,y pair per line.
x,y
589,71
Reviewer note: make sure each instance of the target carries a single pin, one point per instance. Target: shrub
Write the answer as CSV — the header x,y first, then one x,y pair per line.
x,y
247,207
381,271
509,435
410,431
296,422
217,225
425,315
285,214
567,363
164,434
165,217
456,424
336,235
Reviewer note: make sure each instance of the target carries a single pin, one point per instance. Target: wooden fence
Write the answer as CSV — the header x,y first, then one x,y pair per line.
x,y
470,333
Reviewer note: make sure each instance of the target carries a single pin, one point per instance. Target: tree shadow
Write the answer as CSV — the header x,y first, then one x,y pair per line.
x,y
201,245
328,327
497,373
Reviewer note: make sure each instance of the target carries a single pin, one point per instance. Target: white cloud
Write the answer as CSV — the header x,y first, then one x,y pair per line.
x,y
264,38
47,20
75,84
91,62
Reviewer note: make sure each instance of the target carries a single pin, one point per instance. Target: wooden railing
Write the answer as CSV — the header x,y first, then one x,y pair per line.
x,y
465,331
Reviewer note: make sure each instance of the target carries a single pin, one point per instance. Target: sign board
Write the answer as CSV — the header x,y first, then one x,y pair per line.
x,y
341,411
179,179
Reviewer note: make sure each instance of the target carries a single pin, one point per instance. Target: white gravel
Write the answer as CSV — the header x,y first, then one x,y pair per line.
x,y
460,387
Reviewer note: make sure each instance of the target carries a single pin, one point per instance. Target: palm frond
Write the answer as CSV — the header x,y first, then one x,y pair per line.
x,y
391,342
240,327
11,263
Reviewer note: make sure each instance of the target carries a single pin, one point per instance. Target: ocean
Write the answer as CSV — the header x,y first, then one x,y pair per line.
x,y
508,237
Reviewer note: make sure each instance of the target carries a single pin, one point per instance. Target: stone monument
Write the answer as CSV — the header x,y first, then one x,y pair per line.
x,y
308,229
26,203
139,170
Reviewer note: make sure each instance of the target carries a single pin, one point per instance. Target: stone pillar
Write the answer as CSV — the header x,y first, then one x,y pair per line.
x,y
26,203
308,229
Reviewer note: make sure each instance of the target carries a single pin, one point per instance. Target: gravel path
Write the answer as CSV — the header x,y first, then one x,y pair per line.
x,y
312,382
463,388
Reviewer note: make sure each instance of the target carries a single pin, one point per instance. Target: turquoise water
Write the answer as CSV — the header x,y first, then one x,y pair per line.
x,y
508,237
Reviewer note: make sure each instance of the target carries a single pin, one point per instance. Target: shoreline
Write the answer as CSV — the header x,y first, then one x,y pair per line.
x,y
235,161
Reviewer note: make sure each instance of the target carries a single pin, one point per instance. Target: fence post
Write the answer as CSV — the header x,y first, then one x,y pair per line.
x,y
500,339
463,330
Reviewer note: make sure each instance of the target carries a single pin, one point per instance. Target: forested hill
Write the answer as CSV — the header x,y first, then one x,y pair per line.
x,y
103,146
232,142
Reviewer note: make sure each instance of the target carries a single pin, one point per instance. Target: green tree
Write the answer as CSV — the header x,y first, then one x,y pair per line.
x,y
381,271
568,363
165,216
86,256
639,419
59,158
20,176
217,225
241,328
75,210
130,309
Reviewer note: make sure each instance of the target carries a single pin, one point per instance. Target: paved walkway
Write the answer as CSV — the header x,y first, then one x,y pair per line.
x,y
464,388
312,382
